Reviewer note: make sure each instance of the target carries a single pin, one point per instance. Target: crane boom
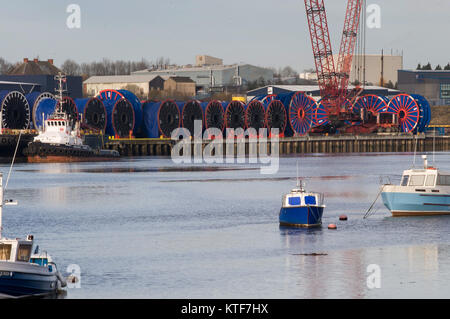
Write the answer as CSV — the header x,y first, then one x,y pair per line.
x,y
333,78
349,36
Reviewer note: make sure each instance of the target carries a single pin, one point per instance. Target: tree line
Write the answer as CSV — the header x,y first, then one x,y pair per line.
x,y
429,67
103,67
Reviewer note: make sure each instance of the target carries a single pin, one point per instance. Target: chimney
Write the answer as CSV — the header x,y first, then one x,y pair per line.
x,y
50,61
36,60
25,60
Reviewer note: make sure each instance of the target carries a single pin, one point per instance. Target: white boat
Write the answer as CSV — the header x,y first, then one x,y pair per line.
x,y
21,272
421,192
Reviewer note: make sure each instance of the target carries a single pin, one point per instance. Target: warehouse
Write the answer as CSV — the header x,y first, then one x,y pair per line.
x,y
140,85
43,74
433,85
217,77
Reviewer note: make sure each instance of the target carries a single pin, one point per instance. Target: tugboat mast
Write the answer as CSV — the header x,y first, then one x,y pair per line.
x,y
60,78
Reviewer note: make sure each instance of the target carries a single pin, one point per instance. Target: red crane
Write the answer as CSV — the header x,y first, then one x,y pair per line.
x,y
333,79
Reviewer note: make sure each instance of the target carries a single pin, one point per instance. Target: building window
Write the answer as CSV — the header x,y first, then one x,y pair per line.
x,y
445,90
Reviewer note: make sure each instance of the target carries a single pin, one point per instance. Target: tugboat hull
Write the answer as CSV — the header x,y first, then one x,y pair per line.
x,y
46,153
305,216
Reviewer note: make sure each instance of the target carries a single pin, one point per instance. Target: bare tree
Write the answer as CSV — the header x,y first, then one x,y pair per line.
x,y
4,66
70,67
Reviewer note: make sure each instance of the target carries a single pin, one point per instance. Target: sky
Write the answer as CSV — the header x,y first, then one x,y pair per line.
x,y
268,33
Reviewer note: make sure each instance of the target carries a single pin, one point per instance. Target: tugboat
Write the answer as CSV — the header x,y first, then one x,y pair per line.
x,y
301,208
60,139
422,192
23,274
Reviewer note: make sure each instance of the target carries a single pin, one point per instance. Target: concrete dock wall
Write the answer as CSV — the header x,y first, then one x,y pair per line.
x,y
300,145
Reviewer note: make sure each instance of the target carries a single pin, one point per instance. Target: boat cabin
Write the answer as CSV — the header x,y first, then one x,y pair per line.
x,y
298,198
430,177
16,250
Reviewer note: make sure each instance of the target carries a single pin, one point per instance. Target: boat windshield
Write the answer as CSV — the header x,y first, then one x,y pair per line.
x,y
5,252
39,261
405,180
23,253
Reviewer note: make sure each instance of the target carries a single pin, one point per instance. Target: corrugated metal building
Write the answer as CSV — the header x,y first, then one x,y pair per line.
x,y
217,76
433,85
24,88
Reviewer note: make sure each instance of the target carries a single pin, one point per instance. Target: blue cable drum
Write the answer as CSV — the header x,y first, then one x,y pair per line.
x,y
15,110
137,107
322,116
286,99
160,118
191,111
93,113
214,114
408,112
374,104
33,100
301,113
42,110
425,112
120,119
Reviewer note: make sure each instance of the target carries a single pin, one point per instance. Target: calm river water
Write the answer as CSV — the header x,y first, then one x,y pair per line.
x,y
147,228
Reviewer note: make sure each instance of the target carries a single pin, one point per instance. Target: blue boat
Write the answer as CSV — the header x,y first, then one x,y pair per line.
x,y
422,192
21,272
301,208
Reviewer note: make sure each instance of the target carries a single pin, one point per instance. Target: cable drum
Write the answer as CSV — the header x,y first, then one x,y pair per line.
x,y
276,117
191,111
321,117
94,113
120,119
301,113
235,115
408,111
255,115
160,118
214,115
33,100
425,112
15,110
42,110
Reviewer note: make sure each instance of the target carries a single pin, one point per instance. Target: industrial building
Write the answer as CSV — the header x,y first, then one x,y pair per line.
x,y
376,69
313,90
433,85
181,85
42,73
141,85
210,76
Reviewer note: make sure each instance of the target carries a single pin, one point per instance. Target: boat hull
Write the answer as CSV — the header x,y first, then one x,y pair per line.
x,y
37,152
416,204
304,216
21,281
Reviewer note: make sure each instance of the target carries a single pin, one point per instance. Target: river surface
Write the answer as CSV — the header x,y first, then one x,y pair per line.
x,y
148,228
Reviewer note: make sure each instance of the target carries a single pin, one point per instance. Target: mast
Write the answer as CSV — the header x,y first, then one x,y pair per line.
x,y
1,203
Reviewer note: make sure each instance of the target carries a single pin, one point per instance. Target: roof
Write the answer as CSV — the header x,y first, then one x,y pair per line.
x,y
141,78
34,67
196,69
181,79
17,83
